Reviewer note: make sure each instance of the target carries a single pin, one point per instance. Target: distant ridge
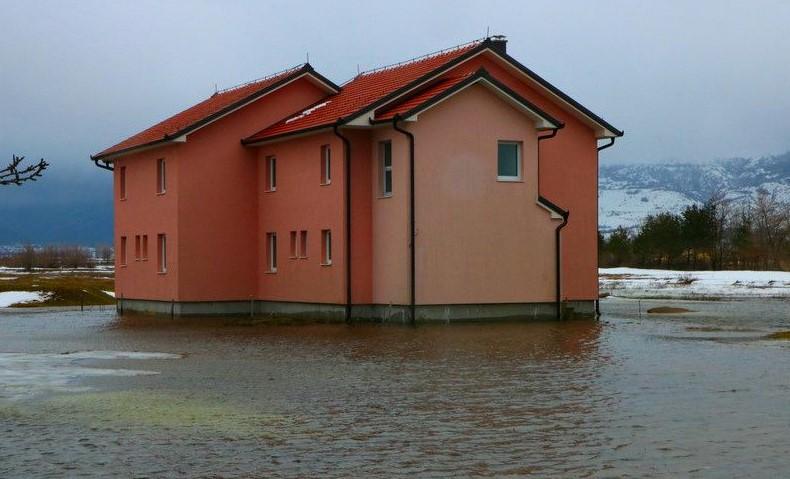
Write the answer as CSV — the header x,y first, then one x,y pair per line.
x,y
628,193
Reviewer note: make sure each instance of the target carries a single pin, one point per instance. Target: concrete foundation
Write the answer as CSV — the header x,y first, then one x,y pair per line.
x,y
359,312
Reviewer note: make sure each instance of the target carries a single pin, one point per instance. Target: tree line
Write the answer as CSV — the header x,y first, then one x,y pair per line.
x,y
719,234
29,257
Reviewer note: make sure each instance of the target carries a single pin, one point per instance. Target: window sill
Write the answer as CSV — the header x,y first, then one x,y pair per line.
x,y
304,257
161,193
270,190
123,266
508,179
121,199
384,197
326,183
326,264
270,271
161,273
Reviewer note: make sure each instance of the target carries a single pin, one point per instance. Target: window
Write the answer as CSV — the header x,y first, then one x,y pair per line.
x,y
137,248
123,250
326,165
161,177
326,247
385,168
145,248
271,251
508,161
293,244
122,183
271,174
161,253
303,244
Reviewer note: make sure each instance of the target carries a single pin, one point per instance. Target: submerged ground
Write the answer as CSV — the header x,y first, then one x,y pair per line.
x,y
700,394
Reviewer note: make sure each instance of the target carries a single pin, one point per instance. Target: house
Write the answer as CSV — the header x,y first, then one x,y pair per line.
x,y
455,185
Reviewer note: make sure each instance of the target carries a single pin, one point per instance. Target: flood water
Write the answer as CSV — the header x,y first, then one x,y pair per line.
x,y
700,394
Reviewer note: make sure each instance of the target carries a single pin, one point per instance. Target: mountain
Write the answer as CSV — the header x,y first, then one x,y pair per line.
x,y
628,193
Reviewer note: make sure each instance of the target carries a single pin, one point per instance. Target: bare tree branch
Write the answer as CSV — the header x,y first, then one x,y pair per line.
x,y
14,175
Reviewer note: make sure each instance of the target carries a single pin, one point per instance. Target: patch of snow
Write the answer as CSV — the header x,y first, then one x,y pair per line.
x,y
23,375
657,283
307,112
8,298
109,293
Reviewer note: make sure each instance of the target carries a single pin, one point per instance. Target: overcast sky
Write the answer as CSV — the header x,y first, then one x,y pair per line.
x,y
687,81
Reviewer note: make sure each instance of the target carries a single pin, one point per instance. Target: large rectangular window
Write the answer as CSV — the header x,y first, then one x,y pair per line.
x,y
123,251
122,183
271,173
145,248
385,168
508,161
326,247
161,176
161,253
303,244
271,252
326,165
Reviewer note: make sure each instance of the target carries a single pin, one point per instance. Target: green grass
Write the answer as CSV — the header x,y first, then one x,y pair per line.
x,y
63,289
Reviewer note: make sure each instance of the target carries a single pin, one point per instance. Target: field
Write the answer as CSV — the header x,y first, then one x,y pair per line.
x,y
55,287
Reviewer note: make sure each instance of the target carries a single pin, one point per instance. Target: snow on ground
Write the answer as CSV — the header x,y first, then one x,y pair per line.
x,y
657,283
7,298
109,293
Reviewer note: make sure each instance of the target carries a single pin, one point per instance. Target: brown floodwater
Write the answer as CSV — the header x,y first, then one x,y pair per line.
x,y
698,394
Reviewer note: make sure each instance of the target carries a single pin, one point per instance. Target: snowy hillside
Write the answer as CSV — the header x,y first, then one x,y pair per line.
x,y
628,193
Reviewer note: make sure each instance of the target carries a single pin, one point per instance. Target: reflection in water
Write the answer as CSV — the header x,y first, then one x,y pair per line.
x,y
622,396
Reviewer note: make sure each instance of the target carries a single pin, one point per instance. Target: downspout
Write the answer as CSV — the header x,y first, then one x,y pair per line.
x,y
412,230
347,165
557,235
611,142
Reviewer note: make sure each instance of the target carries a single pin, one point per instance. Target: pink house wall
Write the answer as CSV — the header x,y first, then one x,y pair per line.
x,y
479,240
568,177
144,212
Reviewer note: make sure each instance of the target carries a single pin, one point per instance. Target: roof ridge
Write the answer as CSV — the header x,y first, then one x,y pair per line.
x,y
261,79
417,59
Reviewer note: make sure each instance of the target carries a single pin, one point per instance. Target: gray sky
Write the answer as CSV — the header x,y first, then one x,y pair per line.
x,y
687,81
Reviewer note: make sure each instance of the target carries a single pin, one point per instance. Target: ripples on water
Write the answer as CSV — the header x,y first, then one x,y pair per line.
x,y
625,396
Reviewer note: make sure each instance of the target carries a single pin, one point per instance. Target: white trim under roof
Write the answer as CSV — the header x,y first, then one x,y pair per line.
x,y
541,122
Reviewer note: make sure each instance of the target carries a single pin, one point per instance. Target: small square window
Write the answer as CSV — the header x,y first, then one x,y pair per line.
x,y
509,161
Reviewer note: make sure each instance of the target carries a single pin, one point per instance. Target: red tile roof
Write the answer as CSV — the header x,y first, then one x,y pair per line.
x,y
361,93
182,122
414,101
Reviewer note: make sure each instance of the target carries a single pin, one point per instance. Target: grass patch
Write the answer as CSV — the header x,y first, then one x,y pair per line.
x,y
63,289
785,335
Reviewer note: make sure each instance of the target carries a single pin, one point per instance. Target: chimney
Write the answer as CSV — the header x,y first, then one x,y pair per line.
x,y
498,43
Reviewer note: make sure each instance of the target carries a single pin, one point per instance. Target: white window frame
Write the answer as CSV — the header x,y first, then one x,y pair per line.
x,y
161,175
385,170
519,161
326,165
161,253
271,246
271,173
326,239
